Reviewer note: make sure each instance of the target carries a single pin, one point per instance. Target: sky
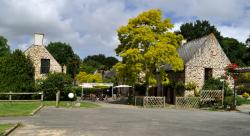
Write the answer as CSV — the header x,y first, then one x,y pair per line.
x,y
89,26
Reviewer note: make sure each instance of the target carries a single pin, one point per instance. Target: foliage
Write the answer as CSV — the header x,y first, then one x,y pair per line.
x,y
64,55
244,78
62,52
16,73
4,47
146,45
197,29
53,83
236,51
245,95
230,71
191,86
97,62
84,77
128,72
216,84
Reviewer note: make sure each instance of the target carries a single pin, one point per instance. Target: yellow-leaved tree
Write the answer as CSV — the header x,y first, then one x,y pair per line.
x,y
146,46
83,77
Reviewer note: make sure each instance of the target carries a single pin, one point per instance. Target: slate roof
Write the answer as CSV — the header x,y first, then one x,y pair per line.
x,y
189,49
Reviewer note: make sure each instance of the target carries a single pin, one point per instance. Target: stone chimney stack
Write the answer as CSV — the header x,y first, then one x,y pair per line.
x,y
184,41
38,39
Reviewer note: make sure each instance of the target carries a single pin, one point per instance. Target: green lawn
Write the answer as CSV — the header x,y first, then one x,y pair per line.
x,y
246,101
4,127
18,108
67,104
26,108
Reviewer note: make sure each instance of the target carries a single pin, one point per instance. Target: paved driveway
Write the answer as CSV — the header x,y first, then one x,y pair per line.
x,y
109,121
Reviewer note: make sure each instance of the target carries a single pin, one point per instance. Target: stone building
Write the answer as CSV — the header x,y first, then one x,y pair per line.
x,y
203,58
43,61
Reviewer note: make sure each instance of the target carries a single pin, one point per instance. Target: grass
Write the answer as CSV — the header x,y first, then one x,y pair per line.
x,y
246,101
18,108
4,127
67,104
26,108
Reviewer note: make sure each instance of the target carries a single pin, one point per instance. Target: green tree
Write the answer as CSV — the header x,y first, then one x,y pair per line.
x,y
84,77
65,55
148,36
4,47
197,29
236,51
248,42
128,71
16,73
62,52
56,82
97,62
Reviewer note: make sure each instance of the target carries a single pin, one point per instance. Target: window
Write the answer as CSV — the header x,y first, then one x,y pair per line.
x,y
45,66
208,73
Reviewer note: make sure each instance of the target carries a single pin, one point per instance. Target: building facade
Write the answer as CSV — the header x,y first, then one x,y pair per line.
x,y
43,61
203,58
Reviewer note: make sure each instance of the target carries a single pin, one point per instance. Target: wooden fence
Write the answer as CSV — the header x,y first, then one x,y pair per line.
x,y
10,94
187,102
206,96
150,101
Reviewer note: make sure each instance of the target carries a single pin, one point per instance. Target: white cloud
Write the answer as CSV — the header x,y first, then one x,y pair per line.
x,y
90,25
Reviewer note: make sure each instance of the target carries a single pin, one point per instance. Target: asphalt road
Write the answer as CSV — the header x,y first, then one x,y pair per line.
x,y
110,121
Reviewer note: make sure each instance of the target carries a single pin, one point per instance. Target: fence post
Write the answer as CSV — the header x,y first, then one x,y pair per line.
x,y
57,98
42,96
164,101
144,101
135,100
10,97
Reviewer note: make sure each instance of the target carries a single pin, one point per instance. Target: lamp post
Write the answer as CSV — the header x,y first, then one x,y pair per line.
x,y
71,96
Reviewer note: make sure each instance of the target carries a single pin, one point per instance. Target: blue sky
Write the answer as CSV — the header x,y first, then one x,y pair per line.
x,y
90,25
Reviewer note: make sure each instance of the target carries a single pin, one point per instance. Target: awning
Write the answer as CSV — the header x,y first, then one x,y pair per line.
x,y
122,86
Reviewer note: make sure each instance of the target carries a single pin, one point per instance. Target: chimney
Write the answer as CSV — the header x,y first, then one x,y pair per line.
x,y
38,39
184,41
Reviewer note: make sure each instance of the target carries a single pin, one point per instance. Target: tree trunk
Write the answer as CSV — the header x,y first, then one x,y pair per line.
x,y
159,90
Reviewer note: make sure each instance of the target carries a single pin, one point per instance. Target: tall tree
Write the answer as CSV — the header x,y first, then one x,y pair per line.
x,y
65,55
4,47
145,35
248,42
236,51
199,29
16,73
97,62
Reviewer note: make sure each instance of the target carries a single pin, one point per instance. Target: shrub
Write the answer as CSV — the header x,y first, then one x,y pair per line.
x,y
53,83
16,73
216,84
245,95
229,100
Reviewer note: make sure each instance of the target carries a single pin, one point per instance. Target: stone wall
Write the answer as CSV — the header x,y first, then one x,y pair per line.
x,y
38,52
210,56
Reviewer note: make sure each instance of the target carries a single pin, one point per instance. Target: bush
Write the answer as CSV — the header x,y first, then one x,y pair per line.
x,y
245,95
16,73
53,83
216,84
229,101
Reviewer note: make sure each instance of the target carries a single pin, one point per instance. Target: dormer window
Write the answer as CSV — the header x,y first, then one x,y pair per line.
x,y
45,66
